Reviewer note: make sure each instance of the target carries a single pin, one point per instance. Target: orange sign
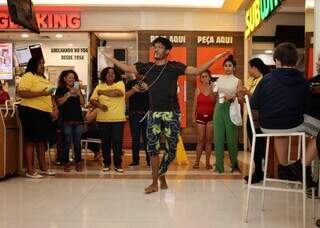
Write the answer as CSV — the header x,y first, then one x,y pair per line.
x,y
178,54
204,54
46,21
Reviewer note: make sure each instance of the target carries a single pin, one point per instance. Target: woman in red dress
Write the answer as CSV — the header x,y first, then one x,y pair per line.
x,y
203,106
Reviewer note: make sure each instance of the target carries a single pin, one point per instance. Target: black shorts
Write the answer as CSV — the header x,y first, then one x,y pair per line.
x,y
36,124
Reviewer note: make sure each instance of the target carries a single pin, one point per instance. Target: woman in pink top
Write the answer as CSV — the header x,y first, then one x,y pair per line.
x,y
203,107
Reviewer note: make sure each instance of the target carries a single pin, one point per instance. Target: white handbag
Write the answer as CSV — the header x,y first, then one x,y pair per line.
x,y
235,112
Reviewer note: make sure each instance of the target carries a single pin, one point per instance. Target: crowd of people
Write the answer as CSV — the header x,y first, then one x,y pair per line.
x,y
279,98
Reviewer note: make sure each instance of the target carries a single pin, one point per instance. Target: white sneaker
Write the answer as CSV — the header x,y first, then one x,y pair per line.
x,y
106,169
34,175
119,170
47,173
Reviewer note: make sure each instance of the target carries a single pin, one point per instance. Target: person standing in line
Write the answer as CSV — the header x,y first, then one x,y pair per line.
x,y
70,100
202,117
109,99
36,111
228,86
138,107
164,111
257,69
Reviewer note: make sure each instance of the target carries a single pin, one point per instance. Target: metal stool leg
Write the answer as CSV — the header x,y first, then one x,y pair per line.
x,y
265,172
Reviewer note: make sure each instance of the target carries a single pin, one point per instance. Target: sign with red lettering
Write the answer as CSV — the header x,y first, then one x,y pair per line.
x,y
54,20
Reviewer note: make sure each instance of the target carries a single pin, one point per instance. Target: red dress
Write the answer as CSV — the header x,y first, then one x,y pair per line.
x,y
205,107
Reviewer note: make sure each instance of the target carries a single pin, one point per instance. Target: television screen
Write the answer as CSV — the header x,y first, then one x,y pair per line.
x,y
23,55
6,72
22,13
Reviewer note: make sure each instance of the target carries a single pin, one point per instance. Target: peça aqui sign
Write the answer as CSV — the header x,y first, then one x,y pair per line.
x,y
259,11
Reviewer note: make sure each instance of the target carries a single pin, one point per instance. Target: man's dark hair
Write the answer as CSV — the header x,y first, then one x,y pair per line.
x,y
260,65
33,64
104,73
287,54
231,60
64,74
164,41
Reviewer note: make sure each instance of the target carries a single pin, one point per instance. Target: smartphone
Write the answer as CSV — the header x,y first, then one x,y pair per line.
x,y
76,85
52,89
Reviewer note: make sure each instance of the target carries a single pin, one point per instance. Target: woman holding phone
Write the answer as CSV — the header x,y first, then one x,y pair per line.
x,y
70,100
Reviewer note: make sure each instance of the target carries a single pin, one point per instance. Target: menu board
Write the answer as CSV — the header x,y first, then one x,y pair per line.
x,y
6,70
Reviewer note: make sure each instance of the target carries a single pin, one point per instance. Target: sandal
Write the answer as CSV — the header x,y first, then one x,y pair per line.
x,y
209,167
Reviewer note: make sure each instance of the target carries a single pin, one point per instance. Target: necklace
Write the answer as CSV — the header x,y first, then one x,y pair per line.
x,y
157,78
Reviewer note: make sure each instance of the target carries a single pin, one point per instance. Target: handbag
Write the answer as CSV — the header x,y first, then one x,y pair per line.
x,y
235,112
91,115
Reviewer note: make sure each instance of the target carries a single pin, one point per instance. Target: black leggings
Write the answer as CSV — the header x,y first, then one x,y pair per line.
x,y
259,149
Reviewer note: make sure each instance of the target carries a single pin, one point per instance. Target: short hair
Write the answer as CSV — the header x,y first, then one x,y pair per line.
x,y
286,53
64,74
104,73
260,65
164,41
230,59
33,64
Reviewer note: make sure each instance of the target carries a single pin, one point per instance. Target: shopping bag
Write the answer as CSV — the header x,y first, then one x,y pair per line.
x,y
235,112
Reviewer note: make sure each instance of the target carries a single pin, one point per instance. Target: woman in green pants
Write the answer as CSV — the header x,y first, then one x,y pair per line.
x,y
223,127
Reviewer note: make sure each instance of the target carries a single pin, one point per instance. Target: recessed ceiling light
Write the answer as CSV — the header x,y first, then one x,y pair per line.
x,y
268,51
59,35
24,35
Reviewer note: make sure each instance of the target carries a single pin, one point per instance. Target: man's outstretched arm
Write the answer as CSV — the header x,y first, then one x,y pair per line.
x,y
205,66
125,67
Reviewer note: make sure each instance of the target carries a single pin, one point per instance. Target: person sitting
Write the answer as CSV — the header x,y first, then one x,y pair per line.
x,y
281,100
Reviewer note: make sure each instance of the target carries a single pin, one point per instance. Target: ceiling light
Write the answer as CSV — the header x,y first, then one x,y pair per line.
x,y
135,3
59,35
268,51
24,35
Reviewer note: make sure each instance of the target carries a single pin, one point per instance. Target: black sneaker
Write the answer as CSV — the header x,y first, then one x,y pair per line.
x,y
256,178
133,164
318,222
283,172
295,173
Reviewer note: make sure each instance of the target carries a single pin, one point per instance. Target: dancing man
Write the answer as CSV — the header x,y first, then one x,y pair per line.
x,y
164,111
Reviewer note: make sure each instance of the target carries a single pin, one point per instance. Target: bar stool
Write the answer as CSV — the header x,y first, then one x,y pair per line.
x,y
264,187
85,142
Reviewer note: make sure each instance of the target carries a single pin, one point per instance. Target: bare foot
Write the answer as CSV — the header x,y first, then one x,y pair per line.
x,y
163,183
151,189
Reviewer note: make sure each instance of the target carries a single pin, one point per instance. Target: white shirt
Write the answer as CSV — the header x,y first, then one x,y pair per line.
x,y
228,84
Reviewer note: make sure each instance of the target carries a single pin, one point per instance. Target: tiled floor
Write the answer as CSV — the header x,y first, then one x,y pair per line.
x,y
94,200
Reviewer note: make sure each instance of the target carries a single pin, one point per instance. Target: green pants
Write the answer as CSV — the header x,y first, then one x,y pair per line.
x,y
224,127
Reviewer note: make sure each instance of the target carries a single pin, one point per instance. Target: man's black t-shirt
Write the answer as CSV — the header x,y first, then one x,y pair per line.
x,y
138,102
162,93
71,109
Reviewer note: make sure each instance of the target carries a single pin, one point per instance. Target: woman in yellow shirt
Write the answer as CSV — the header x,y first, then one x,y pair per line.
x,y
257,69
109,99
36,110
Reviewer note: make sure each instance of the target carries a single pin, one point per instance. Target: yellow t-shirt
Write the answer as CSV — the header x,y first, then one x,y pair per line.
x,y
35,83
252,83
116,105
